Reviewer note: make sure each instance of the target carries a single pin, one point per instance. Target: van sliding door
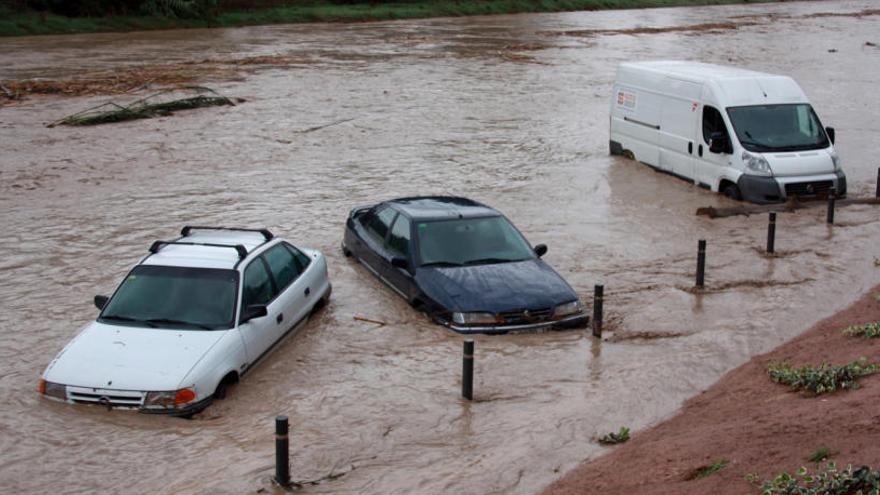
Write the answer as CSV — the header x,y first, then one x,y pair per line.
x,y
678,127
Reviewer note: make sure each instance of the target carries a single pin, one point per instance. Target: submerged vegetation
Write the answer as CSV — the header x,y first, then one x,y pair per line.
x,y
614,438
827,481
27,17
158,104
825,378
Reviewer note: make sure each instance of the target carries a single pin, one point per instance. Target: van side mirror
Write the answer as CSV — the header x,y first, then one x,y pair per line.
x,y
101,301
540,250
253,311
398,262
719,143
830,132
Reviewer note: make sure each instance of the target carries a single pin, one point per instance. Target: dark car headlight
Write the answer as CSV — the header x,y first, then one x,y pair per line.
x,y
568,308
474,318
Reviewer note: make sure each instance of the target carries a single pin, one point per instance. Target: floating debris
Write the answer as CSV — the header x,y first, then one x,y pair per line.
x,y
159,104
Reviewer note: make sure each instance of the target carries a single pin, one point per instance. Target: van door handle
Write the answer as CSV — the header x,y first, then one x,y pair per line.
x,y
690,148
700,150
308,291
279,318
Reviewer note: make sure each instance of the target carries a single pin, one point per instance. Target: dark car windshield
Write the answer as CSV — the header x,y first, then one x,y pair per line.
x,y
174,297
791,127
470,241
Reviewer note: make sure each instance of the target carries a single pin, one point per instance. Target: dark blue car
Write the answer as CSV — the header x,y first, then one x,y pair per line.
x,y
463,263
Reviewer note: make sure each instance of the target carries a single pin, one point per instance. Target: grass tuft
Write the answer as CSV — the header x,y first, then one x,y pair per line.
x,y
868,330
614,438
823,379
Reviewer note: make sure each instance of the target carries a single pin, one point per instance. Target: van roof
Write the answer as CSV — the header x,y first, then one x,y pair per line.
x,y
733,86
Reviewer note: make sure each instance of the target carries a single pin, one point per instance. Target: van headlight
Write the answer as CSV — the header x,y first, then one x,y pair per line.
x,y
756,164
474,318
835,160
568,308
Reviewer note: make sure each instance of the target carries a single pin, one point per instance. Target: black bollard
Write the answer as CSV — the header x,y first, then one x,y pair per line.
x,y
282,458
701,262
467,375
832,195
877,194
598,296
771,233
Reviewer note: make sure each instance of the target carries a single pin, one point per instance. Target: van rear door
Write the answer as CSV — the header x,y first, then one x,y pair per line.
x,y
678,127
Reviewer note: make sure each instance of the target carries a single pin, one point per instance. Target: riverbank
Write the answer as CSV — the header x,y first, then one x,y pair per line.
x,y
747,424
33,23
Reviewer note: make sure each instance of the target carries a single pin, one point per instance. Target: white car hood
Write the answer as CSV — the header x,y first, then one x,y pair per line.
x,y
130,358
813,162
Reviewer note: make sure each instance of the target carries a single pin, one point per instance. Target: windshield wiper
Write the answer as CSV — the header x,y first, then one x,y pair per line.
x,y
128,318
486,261
169,321
441,263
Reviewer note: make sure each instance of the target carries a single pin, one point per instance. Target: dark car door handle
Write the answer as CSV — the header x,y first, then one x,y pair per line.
x,y
308,291
279,318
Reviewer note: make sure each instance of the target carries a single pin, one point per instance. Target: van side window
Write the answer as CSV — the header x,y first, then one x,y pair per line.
x,y
713,122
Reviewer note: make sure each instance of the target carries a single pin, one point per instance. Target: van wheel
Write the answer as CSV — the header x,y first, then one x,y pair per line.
x,y
628,154
732,192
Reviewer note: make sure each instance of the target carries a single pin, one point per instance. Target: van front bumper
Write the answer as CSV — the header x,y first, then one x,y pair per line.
x,y
764,190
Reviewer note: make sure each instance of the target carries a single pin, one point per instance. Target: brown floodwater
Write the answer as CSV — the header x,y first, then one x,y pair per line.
x,y
509,110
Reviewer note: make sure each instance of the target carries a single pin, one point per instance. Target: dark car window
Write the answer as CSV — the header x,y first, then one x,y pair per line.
x,y
163,296
398,241
713,122
378,226
283,266
301,258
257,288
471,241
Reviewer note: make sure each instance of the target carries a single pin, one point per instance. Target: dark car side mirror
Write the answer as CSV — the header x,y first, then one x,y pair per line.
x,y
101,301
398,262
541,250
831,133
719,143
253,311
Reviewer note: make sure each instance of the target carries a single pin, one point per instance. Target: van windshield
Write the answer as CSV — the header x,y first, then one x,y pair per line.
x,y
790,127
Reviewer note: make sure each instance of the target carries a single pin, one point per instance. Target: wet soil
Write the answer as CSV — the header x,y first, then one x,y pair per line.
x,y
753,424
401,108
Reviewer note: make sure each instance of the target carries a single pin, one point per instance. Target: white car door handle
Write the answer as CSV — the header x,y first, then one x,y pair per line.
x,y
279,318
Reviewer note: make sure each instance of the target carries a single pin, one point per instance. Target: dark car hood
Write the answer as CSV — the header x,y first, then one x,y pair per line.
x,y
497,287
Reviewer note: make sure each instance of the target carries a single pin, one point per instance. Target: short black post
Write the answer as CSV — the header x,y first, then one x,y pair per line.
x,y
282,458
467,375
771,233
598,296
832,195
701,263
877,194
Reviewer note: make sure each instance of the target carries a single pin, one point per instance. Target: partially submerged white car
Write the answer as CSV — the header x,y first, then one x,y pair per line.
x,y
189,320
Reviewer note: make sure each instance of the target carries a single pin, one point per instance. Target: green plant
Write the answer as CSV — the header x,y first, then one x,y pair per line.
x,y
821,454
182,9
615,438
827,481
823,379
868,330
705,471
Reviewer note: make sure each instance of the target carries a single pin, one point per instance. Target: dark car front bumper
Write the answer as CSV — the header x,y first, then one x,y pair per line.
x,y
574,321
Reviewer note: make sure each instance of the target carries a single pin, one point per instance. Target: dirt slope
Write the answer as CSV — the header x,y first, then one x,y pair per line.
x,y
755,424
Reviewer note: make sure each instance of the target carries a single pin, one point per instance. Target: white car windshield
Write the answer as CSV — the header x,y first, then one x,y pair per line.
x,y
174,297
470,241
791,127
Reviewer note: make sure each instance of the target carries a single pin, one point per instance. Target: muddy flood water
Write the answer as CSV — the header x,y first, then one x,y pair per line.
x,y
509,110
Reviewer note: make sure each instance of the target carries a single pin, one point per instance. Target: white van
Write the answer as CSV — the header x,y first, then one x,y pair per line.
x,y
746,134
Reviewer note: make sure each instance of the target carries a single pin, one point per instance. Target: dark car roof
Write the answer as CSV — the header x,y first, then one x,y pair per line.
x,y
441,207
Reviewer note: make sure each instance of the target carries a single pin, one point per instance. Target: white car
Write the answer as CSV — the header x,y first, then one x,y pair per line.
x,y
189,320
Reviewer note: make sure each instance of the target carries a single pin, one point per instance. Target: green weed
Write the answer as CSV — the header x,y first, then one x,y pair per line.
x,y
709,470
615,438
823,379
826,481
868,330
821,454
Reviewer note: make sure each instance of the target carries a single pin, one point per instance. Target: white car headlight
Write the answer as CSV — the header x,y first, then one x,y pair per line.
x,y
568,308
756,164
474,318
55,390
835,159
170,399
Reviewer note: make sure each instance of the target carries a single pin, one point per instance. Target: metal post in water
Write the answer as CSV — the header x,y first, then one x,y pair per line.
x,y
282,457
701,262
467,375
598,296
771,233
877,194
832,195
